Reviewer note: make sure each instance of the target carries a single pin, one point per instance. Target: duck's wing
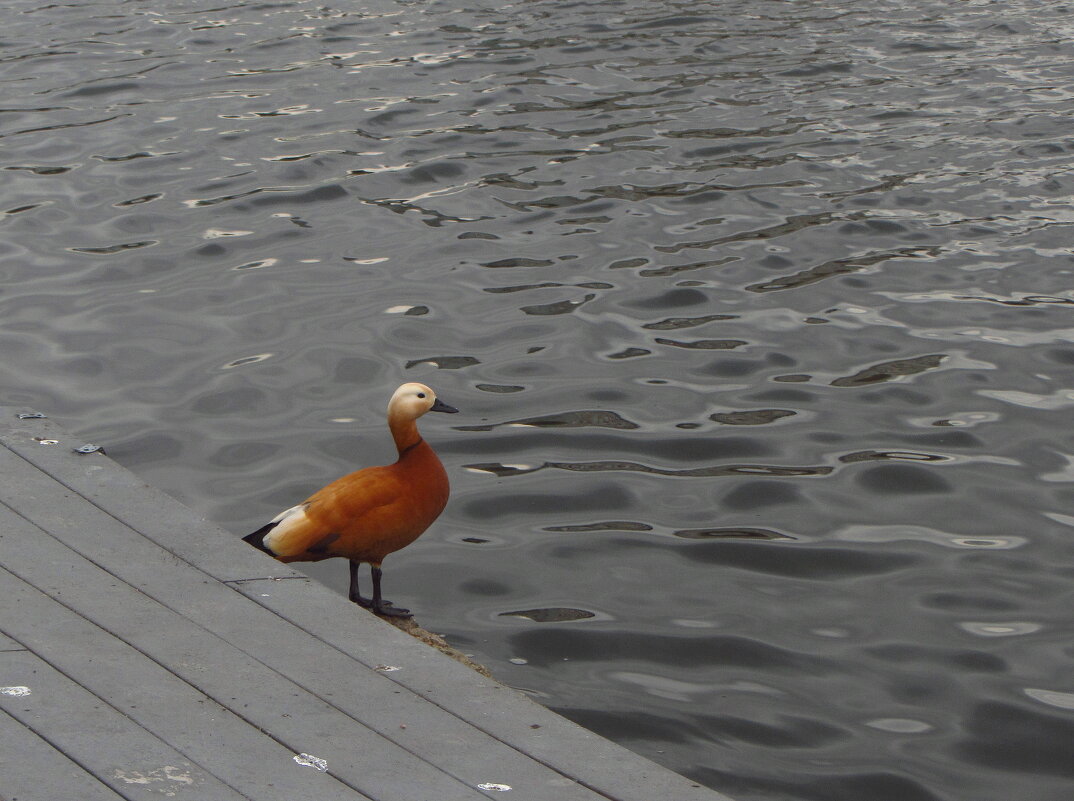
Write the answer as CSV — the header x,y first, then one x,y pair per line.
x,y
353,498
342,509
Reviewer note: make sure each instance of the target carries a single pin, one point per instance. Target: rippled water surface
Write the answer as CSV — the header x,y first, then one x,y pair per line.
x,y
759,315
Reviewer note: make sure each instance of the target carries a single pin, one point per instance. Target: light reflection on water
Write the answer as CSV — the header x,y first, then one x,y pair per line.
x,y
758,314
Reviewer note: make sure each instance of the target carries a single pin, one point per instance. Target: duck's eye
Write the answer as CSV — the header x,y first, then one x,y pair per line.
x,y
421,394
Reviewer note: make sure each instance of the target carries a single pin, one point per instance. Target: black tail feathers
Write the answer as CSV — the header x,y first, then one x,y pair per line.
x,y
257,539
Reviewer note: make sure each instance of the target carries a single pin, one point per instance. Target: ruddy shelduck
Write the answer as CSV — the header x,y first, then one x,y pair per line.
x,y
364,516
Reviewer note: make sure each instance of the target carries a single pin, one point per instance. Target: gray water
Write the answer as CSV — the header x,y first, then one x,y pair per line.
x,y
759,315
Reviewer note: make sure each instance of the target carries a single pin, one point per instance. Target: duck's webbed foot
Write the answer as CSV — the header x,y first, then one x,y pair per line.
x,y
380,606
388,609
377,604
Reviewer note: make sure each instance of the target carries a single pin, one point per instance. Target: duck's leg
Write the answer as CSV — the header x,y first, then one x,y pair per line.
x,y
380,606
354,595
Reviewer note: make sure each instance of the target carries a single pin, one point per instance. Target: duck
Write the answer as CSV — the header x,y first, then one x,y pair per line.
x,y
370,513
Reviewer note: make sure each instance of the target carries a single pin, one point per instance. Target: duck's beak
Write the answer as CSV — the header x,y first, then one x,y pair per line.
x,y
440,406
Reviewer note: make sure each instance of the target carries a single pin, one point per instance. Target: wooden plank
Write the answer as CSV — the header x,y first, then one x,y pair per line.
x,y
168,709
120,493
505,715
423,729
33,769
585,757
111,749
357,756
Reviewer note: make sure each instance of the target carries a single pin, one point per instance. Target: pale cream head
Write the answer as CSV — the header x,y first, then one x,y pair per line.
x,y
411,401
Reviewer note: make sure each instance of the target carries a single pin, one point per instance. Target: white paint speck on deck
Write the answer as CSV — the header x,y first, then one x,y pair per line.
x,y
312,761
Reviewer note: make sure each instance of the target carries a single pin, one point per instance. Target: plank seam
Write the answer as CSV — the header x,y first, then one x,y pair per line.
x,y
313,693
59,750
230,583
104,701
164,667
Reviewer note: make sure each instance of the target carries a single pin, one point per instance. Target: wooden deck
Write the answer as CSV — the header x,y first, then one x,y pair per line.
x,y
147,654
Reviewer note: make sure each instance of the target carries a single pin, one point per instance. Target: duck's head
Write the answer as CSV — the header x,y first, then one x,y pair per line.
x,y
413,400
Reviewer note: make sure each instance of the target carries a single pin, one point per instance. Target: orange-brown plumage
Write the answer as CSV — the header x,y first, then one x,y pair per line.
x,y
368,514
374,511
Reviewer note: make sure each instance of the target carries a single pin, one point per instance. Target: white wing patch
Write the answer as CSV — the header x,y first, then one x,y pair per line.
x,y
285,521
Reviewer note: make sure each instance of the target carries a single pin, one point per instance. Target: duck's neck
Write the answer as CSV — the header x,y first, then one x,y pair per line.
x,y
405,433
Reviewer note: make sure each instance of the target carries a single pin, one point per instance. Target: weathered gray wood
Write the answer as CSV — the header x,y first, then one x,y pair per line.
x,y
115,750
356,755
405,718
120,493
33,769
502,712
555,759
165,707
